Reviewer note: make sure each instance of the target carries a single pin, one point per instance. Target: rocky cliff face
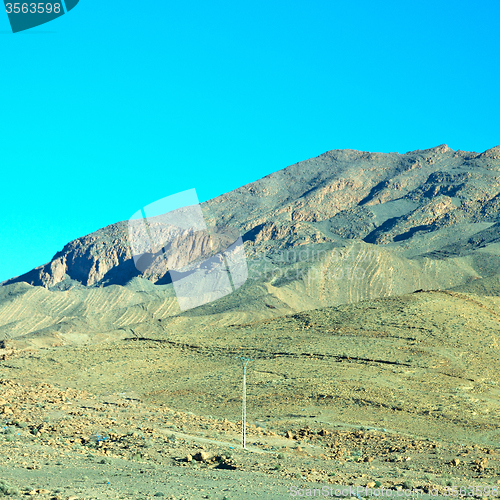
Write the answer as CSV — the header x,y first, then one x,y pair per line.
x,y
390,200
86,260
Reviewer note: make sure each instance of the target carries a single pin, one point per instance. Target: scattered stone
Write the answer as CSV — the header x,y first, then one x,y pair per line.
x,y
202,456
481,464
226,466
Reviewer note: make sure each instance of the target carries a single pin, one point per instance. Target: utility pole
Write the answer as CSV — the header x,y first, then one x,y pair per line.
x,y
244,363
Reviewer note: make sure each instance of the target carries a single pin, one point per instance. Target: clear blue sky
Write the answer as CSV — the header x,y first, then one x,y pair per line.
x,y
115,105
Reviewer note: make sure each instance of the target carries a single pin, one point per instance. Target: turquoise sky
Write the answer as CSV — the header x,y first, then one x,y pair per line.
x,y
116,105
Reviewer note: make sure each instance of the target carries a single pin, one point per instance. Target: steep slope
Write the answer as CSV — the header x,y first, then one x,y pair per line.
x,y
344,227
342,194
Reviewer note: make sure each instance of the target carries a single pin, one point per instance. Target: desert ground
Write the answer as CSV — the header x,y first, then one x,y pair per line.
x,y
393,393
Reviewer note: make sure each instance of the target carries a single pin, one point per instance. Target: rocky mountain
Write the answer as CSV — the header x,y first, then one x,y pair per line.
x,y
343,227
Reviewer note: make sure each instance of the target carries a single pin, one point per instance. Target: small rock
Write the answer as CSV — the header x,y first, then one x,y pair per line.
x,y
368,459
455,462
289,435
189,458
370,484
226,466
202,456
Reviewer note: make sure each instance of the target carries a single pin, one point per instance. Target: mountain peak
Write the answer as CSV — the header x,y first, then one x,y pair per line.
x,y
491,153
442,148
341,195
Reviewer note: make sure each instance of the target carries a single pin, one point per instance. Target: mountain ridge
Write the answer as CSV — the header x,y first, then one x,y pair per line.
x,y
328,188
345,227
